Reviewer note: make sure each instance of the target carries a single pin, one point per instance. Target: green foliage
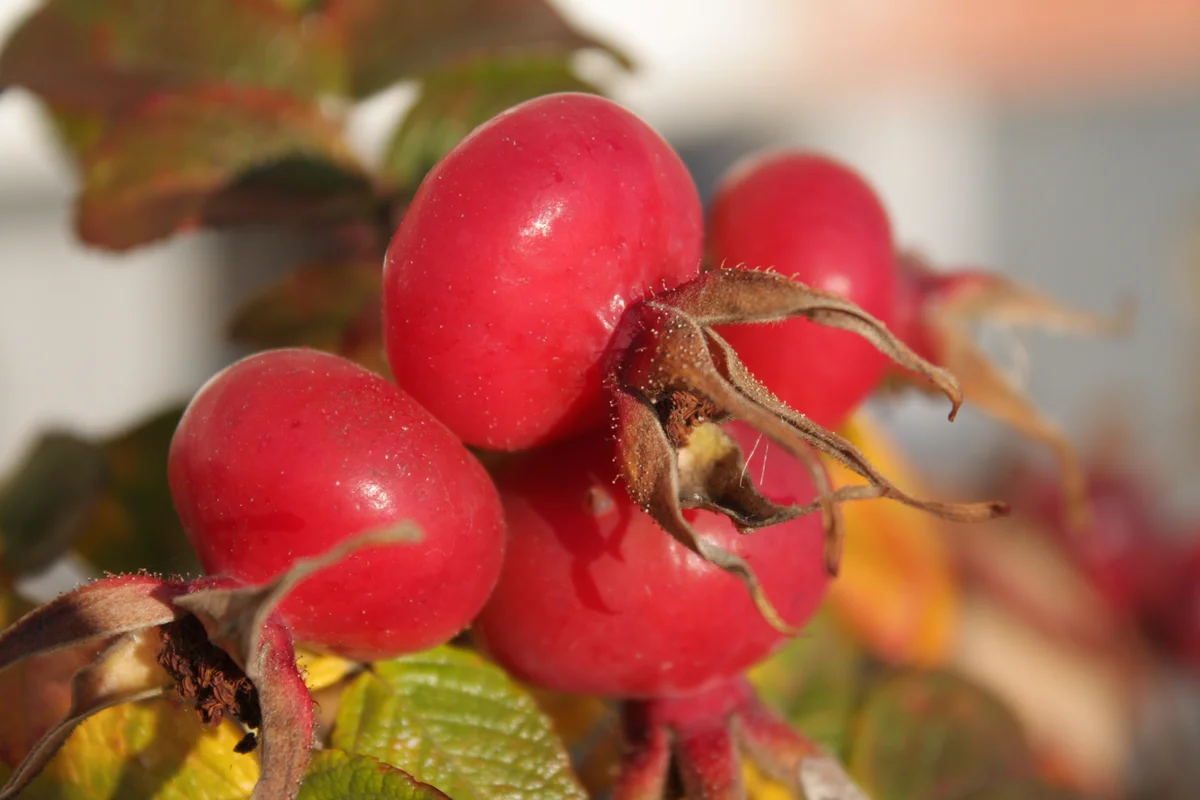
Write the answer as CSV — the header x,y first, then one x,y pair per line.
x,y
390,40
334,775
334,307
158,170
48,499
936,736
816,681
106,500
451,719
457,99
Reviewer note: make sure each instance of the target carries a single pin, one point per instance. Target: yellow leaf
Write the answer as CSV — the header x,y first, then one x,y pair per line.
x,y
321,670
897,591
156,750
761,787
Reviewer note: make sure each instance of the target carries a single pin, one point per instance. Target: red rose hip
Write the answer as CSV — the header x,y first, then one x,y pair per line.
x,y
813,219
595,598
288,452
517,257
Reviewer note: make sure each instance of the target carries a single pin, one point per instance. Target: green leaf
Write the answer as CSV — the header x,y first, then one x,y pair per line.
x,y
389,40
46,501
134,525
156,750
816,681
333,307
99,55
451,719
454,101
936,736
173,162
334,775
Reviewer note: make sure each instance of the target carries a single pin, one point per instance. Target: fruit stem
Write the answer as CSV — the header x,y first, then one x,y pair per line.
x,y
706,735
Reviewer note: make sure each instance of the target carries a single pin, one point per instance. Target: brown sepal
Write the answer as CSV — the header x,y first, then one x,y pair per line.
x,y
950,305
223,645
671,379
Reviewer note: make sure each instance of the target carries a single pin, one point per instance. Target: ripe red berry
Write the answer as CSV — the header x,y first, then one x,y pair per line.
x,y
288,452
595,598
517,257
814,219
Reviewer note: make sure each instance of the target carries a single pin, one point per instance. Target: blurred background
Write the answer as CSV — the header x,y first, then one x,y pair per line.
x,y
1053,142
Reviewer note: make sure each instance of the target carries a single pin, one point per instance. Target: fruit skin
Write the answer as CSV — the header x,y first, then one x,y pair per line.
x,y
516,258
814,219
595,598
287,452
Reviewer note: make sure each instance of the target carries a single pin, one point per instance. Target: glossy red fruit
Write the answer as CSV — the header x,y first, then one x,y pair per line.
x,y
519,253
288,452
595,598
814,219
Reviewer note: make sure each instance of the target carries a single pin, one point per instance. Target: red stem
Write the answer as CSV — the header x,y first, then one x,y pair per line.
x,y
647,759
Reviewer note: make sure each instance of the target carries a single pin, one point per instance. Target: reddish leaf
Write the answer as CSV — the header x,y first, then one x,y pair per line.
x,y
388,40
331,307
96,612
161,169
99,55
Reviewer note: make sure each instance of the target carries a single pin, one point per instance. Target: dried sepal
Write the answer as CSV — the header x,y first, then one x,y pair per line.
x,y
236,616
950,304
99,610
244,621
676,379
650,470
739,296
123,673
225,641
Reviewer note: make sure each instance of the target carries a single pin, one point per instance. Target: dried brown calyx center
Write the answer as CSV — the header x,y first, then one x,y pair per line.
x,y
208,677
681,412
677,375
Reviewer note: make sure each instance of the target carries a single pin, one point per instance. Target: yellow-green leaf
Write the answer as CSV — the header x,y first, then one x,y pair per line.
x,y
334,775
156,750
451,719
